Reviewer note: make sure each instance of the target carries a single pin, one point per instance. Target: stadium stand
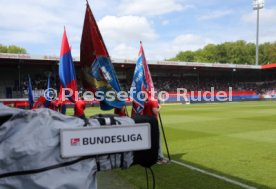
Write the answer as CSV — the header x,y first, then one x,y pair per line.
x,y
255,81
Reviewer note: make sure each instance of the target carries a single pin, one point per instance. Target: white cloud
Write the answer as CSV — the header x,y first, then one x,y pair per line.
x,y
267,25
168,49
149,7
19,37
75,52
267,16
39,24
165,22
123,34
123,50
27,18
215,15
159,50
126,29
189,42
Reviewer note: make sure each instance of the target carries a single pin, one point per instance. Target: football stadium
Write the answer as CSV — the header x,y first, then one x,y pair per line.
x,y
232,140
94,121
247,82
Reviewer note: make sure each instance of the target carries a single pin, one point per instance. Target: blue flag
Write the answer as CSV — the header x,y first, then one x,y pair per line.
x,y
106,81
30,94
139,84
66,68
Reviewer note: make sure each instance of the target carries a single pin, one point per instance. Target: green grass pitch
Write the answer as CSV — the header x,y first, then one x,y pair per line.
x,y
235,140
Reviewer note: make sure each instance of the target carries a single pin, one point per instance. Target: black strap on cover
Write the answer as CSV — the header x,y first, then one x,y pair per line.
x,y
43,169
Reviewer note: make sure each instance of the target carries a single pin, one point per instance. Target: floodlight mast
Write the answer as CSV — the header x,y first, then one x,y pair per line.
x,y
257,5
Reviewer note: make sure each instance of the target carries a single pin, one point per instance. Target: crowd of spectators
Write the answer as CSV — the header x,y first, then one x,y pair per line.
x,y
171,84
39,84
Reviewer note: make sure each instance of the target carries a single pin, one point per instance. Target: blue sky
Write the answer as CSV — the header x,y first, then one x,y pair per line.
x,y
166,27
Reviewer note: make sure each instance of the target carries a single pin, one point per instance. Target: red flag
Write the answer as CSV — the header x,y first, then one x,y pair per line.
x,y
142,81
150,86
67,73
98,73
39,102
92,45
60,95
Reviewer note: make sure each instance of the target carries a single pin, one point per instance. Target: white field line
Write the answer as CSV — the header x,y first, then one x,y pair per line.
x,y
214,175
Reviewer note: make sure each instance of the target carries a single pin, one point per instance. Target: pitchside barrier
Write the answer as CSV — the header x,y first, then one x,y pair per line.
x,y
216,96
23,103
173,97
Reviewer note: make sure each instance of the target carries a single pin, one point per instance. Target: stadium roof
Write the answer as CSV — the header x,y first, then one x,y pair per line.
x,y
46,58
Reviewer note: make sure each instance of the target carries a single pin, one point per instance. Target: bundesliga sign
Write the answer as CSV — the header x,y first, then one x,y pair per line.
x,y
104,140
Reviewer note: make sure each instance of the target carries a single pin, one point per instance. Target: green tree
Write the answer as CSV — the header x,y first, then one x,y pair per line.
x,y
272,53
238,52
221,53
207,54
251,48
3,49
12,49
186,56
264,53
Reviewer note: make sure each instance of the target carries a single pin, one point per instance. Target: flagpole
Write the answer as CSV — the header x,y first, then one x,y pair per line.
x,y
164,136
